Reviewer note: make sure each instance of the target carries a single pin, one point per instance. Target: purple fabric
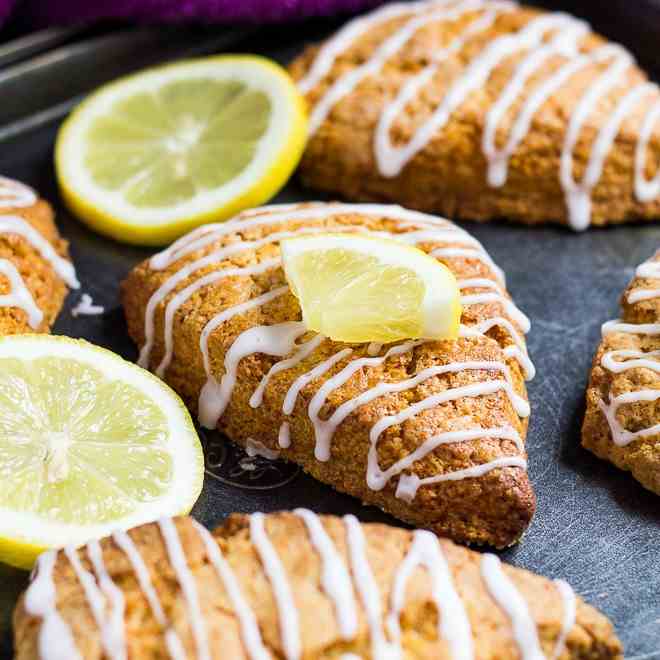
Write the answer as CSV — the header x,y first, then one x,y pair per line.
x,y
5,8
59,12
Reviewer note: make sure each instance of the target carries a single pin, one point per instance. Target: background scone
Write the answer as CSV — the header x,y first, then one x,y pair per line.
x,y
482,110
622,422
293,585
35,270
441,447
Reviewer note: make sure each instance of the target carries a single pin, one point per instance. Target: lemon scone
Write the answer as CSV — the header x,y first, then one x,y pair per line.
x,y
622,422
35,271
294,585
482,109
431,431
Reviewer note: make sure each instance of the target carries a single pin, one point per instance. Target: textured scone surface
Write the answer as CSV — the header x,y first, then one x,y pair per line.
x,y
492,508
622,422
46,287
310,619
394,79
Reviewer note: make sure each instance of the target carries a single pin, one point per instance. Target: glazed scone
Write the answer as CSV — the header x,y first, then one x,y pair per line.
x,y
35,270
296,585
482,110
432,432
622,422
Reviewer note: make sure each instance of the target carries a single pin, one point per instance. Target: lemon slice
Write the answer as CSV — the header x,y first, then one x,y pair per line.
x,y
89,443
356,289
147,157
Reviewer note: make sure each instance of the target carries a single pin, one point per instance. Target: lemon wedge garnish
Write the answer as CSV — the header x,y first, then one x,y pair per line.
x,y
89,443
148,157
355,288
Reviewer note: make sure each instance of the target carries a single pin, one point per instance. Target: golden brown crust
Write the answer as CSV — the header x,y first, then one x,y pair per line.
x,y
591,637
449,175
641,456
47,288
493,509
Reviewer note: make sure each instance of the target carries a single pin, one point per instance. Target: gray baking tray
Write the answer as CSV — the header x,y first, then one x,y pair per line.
x,y
594,526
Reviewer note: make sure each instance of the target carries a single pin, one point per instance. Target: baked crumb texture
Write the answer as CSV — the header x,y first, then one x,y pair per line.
x,y
482,110
431,431
35,270
622,422
296,585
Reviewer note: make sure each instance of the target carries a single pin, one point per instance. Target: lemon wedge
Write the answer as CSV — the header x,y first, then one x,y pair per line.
x,y
89,443
148,157
355,288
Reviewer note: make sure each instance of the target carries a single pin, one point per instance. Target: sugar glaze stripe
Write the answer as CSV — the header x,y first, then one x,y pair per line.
x,y
345,581
282,340
621,360
14,195
551,35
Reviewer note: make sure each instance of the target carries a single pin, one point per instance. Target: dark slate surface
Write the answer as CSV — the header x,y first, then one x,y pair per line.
x,y
595,526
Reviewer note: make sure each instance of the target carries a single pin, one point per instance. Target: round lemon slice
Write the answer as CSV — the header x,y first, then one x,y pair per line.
x,y
89,443
152,155
354,288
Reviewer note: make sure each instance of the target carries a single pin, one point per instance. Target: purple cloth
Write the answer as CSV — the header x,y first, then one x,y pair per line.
x,y
61,12
5,8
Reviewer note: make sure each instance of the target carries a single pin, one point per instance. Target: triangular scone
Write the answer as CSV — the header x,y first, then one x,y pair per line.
x,y
482,110
622,423
296,585
35,270
432,432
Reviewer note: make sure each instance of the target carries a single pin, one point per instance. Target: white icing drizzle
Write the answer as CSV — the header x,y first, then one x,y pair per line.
x,y
643,294
19,295
618,325
112,636
306,378
392,159
453,622
284,436
323,430
510,308
505,594
578,194
568,621
114,624
281,340
172,641
646,190
564,43
246,618
86,307
621,360
305,349
409,484
620,436
286,605
334,47
17,195
276,339
55,639
12,224
188,586
649,270
335,578
255,448
368,591
555,35
377,478
338,582
14,194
